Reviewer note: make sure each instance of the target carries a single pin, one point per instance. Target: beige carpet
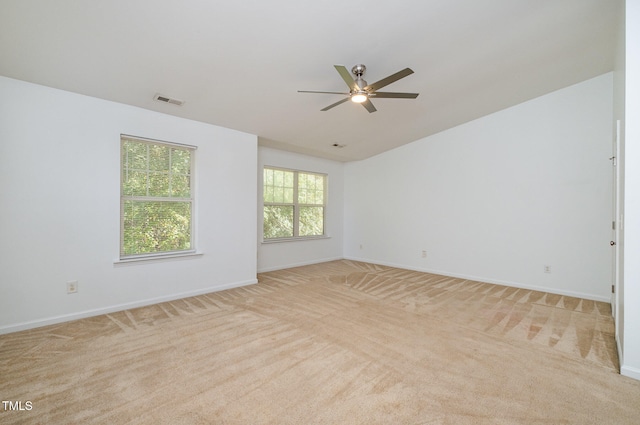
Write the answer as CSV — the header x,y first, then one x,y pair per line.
x,y
335,343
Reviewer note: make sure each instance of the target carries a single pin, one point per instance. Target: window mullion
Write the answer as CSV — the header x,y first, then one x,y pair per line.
x,y
148,181
170,172
296,208
155,199
192,198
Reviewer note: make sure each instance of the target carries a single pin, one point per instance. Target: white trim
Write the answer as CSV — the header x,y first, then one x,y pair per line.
x,y
294,239
630,372
487,280
304,263
164,142
119,307
158,257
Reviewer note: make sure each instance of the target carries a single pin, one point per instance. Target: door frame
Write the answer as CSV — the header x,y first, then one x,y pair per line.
x,y
616,226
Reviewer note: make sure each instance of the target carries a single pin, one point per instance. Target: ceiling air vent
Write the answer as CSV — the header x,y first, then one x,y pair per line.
x,y
167,99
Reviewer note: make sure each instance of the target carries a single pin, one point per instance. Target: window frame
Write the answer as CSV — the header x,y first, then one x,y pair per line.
x,y
296,205
191,200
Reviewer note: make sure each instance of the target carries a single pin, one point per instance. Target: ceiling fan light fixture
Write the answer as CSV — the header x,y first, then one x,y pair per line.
x,y
358,97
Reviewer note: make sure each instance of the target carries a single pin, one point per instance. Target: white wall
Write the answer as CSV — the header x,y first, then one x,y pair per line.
x,y
630,364
59,220
279,255
497,198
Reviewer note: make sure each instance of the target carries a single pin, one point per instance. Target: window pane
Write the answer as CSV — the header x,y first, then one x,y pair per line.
x,y
134,183
278,194
134,155
268,193
288,180
302,196
288,195
311,196
151,227
159,184
159,157
318,198
311,221
304,183
311,189
278,178
180,161
278,186
268,177
278,221
180,186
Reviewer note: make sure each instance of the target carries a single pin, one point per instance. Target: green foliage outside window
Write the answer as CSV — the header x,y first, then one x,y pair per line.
x,y
311,221
278,221
151,227
156,198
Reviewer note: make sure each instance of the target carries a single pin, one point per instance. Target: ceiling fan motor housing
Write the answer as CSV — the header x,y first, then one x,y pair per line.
x,y
359,69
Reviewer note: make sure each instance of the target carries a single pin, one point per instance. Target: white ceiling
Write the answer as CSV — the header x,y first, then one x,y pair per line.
x,y
239,64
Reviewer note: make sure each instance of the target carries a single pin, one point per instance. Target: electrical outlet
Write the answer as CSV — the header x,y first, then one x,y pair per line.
x,y
547,269
424,253
72,287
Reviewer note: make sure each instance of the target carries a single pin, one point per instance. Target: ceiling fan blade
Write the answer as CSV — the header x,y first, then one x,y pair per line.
x,y
390,95
326,92
388,80
369,106
335,104
346,76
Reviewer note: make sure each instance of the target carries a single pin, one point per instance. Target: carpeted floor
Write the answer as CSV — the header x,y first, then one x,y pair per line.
x,y
334,343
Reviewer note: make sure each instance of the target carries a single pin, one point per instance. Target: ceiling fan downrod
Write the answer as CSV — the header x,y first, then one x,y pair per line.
x,y
358,71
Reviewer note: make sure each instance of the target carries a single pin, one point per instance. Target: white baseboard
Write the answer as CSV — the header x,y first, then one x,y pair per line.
x,y
631,372
486,280
119,307
304,263
111,309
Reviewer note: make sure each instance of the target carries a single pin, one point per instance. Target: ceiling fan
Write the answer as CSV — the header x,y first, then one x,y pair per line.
x,y
361,92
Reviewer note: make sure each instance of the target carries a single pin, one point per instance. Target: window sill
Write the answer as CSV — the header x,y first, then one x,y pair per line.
x,y
295,239
155,258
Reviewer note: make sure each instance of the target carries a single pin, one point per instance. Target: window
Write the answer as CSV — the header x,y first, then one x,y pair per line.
x,y
294,203
156,203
